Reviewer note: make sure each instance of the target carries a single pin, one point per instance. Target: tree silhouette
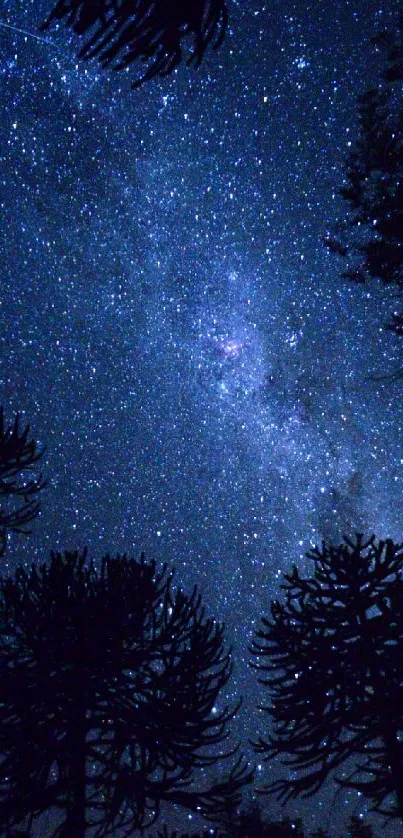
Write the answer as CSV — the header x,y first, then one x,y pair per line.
x,y
108,690
331,655
123,32
18,484
252,824
359,829
167,833
374,173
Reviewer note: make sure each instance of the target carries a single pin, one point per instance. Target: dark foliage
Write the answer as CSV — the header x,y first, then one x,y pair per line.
x,y
123,32
18,484
358,829
206,833
374,174
108,683
252,824
331,657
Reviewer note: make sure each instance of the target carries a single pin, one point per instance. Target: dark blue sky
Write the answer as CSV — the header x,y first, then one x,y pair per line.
x,y
172,326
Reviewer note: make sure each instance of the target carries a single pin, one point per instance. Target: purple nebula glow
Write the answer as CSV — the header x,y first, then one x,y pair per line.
x,y
229,348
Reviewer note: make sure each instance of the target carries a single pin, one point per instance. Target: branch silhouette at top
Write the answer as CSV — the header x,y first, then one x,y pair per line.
x,y
124,32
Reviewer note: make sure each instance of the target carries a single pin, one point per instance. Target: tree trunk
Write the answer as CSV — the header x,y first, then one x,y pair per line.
x,y
75,824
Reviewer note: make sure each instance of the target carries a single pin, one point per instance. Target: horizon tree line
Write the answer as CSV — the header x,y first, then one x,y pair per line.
x,y
111,680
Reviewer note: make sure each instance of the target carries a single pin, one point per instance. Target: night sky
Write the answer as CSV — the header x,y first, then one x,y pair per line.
x,y
173,328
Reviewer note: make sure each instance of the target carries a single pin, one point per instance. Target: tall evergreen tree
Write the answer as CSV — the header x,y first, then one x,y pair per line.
x,y
330,655
108,691
373,239
152,31
19,485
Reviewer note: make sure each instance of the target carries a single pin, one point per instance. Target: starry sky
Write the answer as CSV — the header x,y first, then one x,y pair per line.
x,y
173,328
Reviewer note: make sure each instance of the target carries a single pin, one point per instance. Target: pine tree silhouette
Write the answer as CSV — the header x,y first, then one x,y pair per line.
x,y
151,31
108,683
19,485
331,658
373,239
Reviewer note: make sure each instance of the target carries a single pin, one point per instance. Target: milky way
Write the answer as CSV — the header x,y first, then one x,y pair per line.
x,y
172,326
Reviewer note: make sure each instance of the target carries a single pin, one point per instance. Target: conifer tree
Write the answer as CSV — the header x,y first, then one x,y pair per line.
x,y
19,484
109,687
330,656
372,240
151,31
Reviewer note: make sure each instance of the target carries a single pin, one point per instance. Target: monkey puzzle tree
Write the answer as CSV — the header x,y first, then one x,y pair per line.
x,y
331,654
152,31
108,689
18,483
373,234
